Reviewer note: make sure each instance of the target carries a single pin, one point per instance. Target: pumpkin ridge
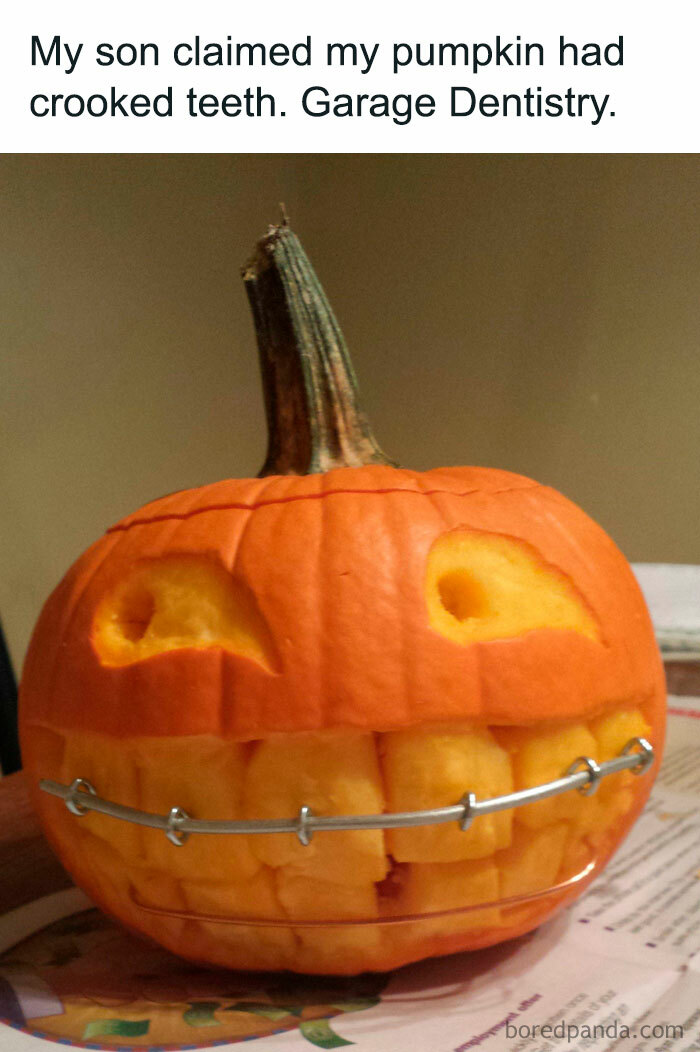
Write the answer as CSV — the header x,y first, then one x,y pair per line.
x,y
325,660
121,527
53,673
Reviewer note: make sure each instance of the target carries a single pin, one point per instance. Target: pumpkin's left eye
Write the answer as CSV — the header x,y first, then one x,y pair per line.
x,y
482,586
175,602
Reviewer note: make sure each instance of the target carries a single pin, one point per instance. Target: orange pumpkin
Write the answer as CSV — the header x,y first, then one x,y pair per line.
x,y
348,635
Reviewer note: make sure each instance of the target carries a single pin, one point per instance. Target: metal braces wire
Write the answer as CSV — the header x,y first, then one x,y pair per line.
x,y
584,774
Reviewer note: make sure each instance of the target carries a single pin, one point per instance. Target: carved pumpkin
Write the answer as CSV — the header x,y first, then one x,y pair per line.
x,y
351,636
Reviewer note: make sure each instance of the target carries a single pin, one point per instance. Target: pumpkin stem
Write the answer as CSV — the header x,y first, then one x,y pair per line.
x,y
314,418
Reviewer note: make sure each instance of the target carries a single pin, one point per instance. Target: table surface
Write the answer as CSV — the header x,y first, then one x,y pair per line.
x,y
29,869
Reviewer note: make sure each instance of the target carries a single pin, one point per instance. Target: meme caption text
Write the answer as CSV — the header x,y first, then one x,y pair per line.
x,y
478,90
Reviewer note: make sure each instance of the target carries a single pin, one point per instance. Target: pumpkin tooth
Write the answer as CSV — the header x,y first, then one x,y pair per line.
x,y
430,887
109,766
533,860
123,887
204,776
613,730
542,755
307,898
255,897
424,769
332,773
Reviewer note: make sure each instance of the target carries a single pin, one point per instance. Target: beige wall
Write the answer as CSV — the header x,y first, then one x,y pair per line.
x,y
537,313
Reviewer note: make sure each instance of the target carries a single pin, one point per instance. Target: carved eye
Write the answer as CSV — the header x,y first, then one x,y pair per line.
x,y
482,586
175,602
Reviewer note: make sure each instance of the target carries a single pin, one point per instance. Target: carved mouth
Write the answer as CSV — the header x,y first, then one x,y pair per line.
x,y
464,881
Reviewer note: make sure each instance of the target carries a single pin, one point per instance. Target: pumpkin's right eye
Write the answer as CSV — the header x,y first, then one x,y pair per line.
x,y
482,586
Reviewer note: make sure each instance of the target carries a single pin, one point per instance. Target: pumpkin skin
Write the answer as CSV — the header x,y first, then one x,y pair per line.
x,y
348,574
368,614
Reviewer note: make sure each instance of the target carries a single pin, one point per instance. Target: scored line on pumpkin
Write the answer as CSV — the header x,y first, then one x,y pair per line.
x,y
242,506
